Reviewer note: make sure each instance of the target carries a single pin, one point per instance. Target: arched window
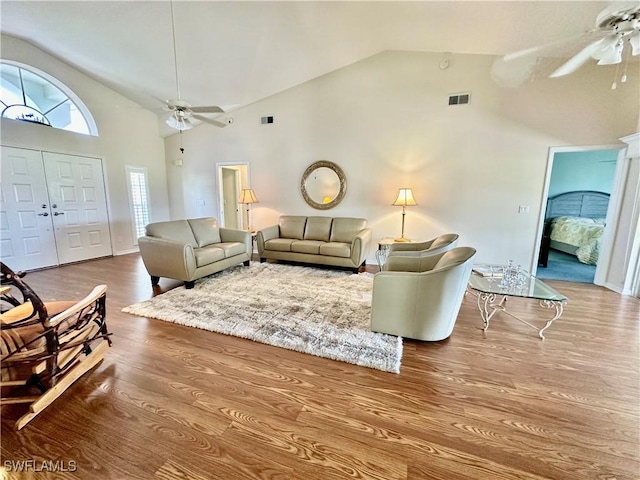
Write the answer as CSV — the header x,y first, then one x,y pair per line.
x,y
30,95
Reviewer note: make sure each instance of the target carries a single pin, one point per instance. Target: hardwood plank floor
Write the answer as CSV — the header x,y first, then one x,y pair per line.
x,y
173,402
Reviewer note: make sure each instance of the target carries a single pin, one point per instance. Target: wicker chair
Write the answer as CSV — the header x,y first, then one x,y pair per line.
x,y
46,346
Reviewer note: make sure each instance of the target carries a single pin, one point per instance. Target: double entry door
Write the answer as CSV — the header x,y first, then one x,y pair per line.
x,y
53,209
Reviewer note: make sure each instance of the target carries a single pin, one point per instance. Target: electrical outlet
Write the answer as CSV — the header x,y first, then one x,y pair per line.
x,y
200,202
523,209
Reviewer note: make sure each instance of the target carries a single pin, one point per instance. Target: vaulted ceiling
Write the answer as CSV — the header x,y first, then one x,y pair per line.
x,y
236,53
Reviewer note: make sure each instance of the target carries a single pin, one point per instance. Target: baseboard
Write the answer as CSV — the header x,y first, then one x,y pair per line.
x,y
127,252
615,288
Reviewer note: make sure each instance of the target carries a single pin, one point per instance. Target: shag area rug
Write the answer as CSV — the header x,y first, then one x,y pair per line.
x,y
316,311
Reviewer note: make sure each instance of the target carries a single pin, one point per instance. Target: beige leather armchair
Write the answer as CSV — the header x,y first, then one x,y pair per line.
x,y
420,297
439,244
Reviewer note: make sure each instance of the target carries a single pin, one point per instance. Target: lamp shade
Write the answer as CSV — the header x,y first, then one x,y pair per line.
x,y
247,196
405,198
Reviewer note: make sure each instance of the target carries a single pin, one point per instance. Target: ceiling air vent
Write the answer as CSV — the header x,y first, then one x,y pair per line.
x,y
459,98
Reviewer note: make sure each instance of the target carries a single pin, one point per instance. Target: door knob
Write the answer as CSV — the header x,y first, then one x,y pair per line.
x,y
54,206
55,214
45,214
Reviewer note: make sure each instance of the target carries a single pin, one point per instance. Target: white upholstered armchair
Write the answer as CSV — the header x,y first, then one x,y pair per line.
x,y
420,297
439,244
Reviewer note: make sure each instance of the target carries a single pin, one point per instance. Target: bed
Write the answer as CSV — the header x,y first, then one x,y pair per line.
x,y
574,224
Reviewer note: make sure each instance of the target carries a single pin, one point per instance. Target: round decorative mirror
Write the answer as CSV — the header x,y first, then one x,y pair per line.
x,y
323,185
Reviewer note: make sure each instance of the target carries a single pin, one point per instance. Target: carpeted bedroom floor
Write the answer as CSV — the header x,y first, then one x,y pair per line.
x,y
563,266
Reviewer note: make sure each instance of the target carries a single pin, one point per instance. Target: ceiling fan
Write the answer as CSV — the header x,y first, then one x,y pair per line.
x,y
617,29
181,111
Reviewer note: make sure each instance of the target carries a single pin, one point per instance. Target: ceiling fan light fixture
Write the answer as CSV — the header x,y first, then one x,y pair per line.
x,y
634,40
179,122
613,55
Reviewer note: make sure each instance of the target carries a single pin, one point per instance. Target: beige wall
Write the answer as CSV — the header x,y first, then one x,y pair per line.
x,y
386,122
128,135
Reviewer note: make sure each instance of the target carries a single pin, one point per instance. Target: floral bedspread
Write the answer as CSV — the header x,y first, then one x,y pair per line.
x,y
584,233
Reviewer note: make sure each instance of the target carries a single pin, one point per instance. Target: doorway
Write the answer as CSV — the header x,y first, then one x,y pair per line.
x,y
232,178
53,209
573,225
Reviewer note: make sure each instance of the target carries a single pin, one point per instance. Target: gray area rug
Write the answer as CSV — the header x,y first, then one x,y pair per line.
x,y
316,311
562,266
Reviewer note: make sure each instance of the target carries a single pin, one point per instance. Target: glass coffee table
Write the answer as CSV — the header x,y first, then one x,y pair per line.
x,y
492,293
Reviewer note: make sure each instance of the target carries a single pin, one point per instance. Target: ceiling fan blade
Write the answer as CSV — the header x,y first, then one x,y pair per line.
x,y
575,62
212,109
165,102
211,121
514,73
549,49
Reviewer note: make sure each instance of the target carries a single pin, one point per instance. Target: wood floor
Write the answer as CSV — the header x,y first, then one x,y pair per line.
x,y
172,402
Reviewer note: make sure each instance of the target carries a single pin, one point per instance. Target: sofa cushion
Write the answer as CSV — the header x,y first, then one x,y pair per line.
x,y
336,249
176,230
292,226
208,255
318,228
231,249
279,244
345,229
205,230
307,246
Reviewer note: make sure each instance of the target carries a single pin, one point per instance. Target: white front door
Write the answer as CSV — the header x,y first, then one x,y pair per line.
x,y
26,231
78,206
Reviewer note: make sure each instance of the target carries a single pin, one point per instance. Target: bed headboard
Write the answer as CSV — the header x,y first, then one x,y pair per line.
x,y
581,203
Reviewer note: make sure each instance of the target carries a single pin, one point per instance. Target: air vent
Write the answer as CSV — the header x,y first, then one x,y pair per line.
x,y
459,98
266,120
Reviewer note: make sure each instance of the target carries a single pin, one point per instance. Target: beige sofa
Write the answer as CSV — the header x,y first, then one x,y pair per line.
x,y
339,241
191,249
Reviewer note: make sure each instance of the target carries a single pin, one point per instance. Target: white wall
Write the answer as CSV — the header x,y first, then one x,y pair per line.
x,y
591,170
386,122
128,135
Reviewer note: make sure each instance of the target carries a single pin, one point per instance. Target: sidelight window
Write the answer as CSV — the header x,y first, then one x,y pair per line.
x,y
139,200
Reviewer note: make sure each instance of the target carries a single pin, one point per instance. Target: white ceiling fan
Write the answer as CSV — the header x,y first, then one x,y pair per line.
x,y
183,112
617,29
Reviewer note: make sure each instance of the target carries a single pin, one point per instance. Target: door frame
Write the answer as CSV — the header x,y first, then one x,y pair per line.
x,y
245,180
611,220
